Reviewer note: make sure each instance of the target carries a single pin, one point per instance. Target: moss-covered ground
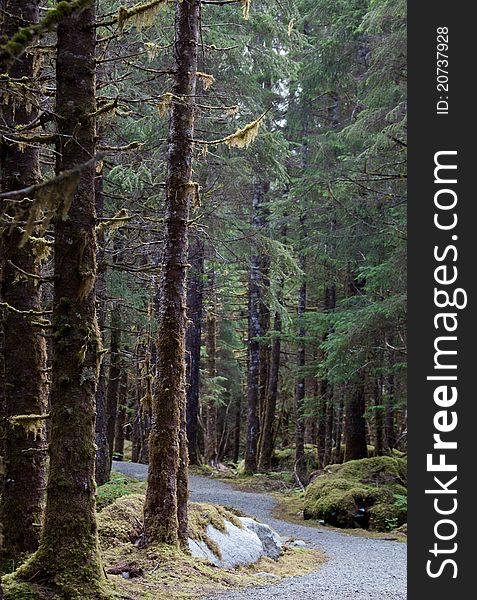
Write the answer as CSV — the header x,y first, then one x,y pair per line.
x,y
160,572
377,486
379,483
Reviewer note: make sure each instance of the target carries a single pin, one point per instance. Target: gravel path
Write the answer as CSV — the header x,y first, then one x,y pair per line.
x,y
357,568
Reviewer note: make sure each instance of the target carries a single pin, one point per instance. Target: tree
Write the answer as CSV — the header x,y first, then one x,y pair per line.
x,y
160,511
67,561
195,294
254,333
25,384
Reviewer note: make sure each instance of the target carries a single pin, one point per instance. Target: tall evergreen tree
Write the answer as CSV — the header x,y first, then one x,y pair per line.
x,y
68,561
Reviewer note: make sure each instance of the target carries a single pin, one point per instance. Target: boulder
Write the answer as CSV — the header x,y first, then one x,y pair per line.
x,y
237,545
368,493
271,542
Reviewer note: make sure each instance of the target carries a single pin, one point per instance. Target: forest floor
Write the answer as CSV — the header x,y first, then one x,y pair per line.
x,y
358,568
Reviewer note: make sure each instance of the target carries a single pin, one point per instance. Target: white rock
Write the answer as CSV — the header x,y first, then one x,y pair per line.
x,y
238,546
298,544
271,542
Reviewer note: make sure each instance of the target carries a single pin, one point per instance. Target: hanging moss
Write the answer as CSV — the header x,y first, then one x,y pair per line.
x,y
25,35
164,104
246,9
206,79
115,223
32,424
41,248
51,198
140,15
242,138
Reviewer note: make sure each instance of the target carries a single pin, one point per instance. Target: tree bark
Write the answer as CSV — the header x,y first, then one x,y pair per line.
x,y
68,560
24,349
119,435
320,395
102,448
254,332
389,417
300,461
338,458
160,511
355,424
211,430
330,418
266,449
195,294
112,393
378,416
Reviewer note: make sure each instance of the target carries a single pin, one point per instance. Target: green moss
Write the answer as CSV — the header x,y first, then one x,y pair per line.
x,y
370,483
17,590
171,574
118,486
284,459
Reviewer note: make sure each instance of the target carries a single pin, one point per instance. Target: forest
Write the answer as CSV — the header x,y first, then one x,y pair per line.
x,y
202,271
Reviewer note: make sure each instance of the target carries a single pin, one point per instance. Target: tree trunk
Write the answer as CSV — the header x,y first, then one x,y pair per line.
x,y
320,395
378,417
102,447
266,449
68,560
264,317
300,461
160,511
237,430
24,348
330,418
195,294
119,435
338,458
112,393
355,424
389,420
254,332
211,429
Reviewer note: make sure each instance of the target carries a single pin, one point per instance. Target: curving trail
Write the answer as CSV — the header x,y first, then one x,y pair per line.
x,y
357,568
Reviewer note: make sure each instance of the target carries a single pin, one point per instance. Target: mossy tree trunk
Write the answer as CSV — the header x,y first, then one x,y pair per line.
x,y
68,561
195,295
24,348
169,403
